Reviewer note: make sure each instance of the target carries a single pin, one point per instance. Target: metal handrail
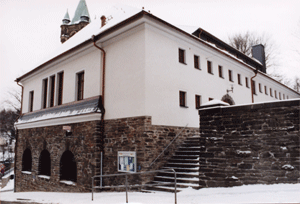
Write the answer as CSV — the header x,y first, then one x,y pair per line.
x,y
136,185
168,145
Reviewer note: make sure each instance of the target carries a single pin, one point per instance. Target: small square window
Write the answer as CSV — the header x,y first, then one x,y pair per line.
x,y
181,56
182,98
230,75
246,82
239,79
197,101
209,67
220,71
196,62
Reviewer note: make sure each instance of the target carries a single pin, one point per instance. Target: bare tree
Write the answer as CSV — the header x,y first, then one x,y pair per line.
x,y
14,100
244,42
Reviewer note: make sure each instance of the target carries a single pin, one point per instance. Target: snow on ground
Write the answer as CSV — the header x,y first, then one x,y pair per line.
x,y
278,193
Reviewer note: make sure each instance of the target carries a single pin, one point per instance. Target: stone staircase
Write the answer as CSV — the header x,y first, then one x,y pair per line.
x,y
185,162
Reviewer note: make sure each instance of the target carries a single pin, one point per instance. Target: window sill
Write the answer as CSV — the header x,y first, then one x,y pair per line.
x,y
70,183
183,63
44,177
221,77
231,81
240,84
183,106
210,73
26,172
197,68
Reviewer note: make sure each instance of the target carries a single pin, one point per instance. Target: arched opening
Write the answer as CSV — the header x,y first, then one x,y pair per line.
x,y
68,168
26,160
228,99
45,163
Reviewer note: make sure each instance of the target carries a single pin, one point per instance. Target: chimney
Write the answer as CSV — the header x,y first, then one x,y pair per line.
x,y
258,52
103,21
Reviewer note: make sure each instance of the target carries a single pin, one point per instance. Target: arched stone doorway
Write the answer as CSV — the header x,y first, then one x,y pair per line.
x,y
68,167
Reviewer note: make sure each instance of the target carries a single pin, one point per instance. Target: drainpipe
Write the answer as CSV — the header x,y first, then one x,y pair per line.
x,y
102,97
252,88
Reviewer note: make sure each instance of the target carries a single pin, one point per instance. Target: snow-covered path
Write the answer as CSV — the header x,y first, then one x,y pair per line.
x,y
279,193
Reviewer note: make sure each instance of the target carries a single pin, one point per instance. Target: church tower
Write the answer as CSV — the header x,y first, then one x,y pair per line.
x,y
80,20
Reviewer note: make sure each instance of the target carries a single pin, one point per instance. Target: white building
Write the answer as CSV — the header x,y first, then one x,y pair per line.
x,y
150,68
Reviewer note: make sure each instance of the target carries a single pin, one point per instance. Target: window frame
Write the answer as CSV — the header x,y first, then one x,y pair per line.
x,y
266,90
182,99
31,100
197,101
230,75
197,62
181,56
259,87
209,67
220,70
52,91
253,87
247,82
60,85
271,93
80,85
44,93
239,79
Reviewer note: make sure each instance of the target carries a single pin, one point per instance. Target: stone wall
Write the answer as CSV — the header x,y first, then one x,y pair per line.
x,y
53,138
126,134
147,140
251,144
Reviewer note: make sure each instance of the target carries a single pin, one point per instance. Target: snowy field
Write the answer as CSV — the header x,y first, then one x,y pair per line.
x,y
279,193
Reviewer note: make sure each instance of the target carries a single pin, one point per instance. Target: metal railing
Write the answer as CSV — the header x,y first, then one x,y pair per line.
x,y
127,186
168,145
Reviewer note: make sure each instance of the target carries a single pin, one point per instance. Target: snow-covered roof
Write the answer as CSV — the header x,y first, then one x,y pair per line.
x,y
119,14
214,102
90,105
115,15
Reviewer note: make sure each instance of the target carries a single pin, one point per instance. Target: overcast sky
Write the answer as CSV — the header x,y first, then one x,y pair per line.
x,y
30,29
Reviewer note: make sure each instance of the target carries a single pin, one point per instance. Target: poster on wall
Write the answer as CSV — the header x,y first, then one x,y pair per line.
x,y
126,161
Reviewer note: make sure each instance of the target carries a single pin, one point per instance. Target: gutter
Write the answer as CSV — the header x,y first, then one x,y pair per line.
x,y
252,88
102,127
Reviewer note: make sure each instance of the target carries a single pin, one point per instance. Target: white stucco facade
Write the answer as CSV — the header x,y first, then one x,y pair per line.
x,y
143,75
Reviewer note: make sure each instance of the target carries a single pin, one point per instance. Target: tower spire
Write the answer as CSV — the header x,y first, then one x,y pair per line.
x,y
81,9
66,19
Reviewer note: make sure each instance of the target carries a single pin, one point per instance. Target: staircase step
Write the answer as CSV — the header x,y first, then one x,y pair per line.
x,y
194,153
180,175
191,161
183,165
178,180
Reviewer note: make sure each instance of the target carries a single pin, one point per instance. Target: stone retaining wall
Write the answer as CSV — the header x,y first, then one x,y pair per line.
x,y
251,144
